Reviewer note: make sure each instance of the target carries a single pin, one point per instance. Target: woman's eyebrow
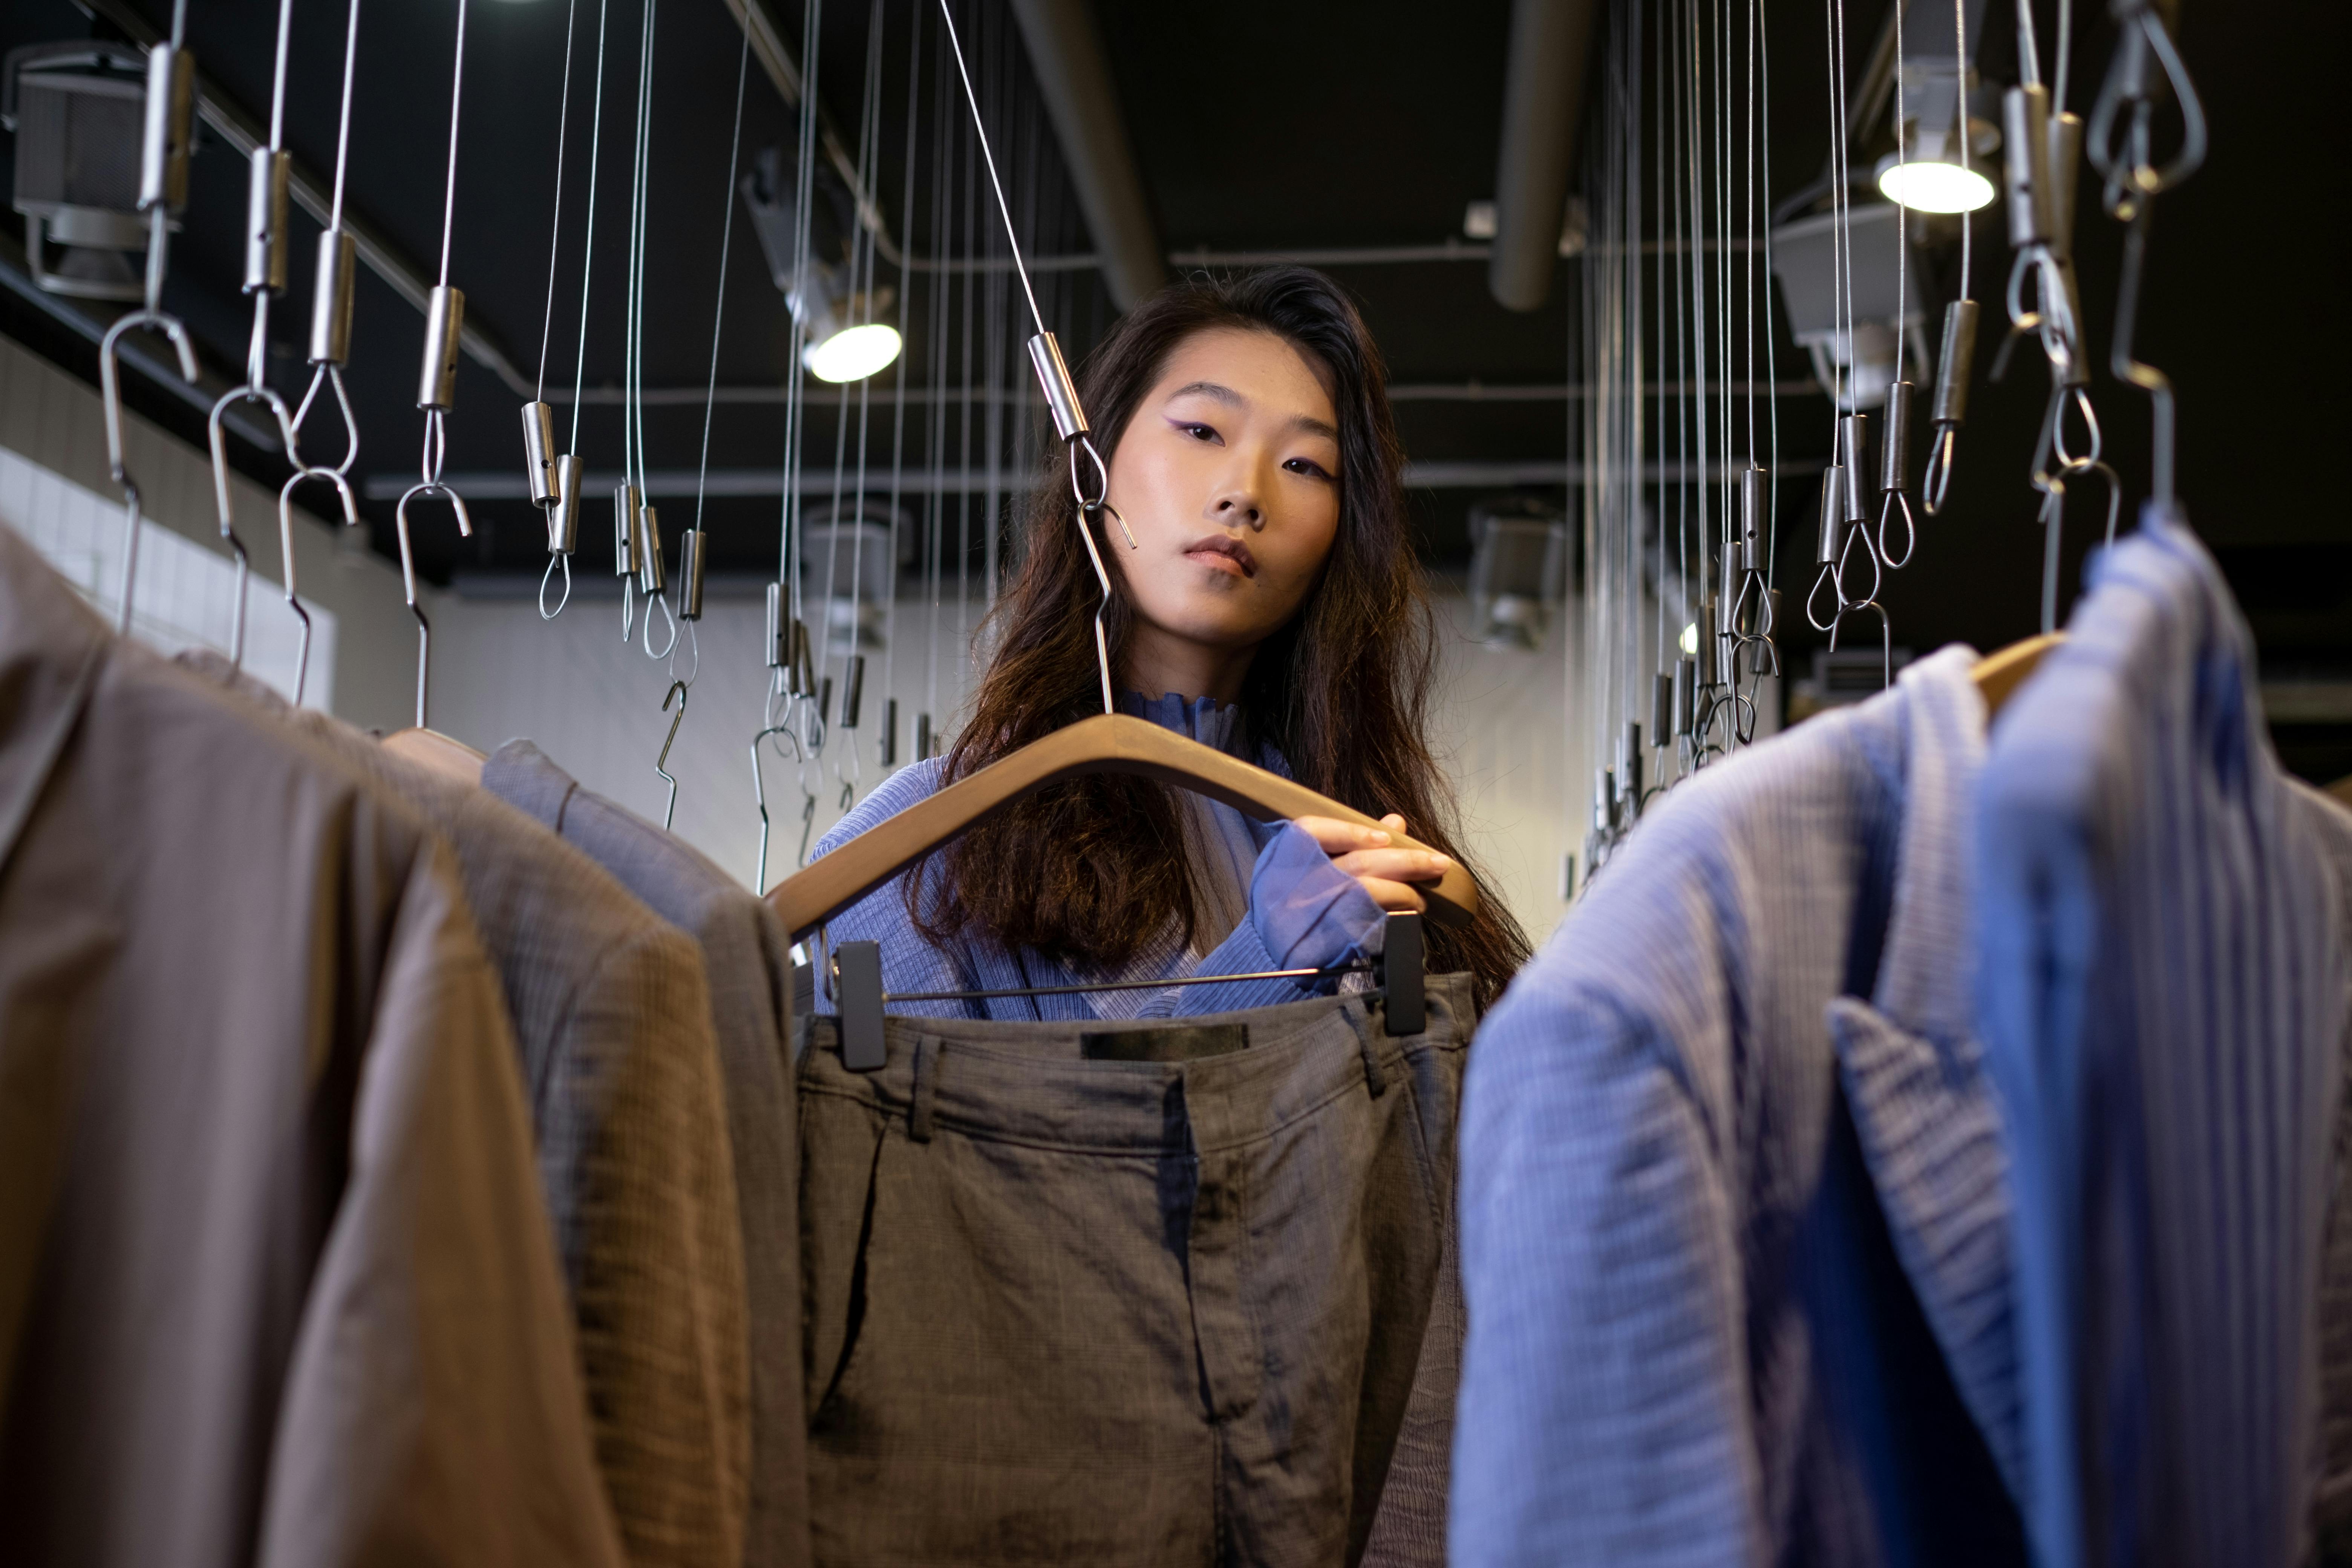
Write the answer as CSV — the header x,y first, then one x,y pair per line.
x,y
1221,393
1304,423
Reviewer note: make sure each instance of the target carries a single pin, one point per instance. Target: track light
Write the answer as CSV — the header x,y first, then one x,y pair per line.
x,y
839,345
1932,185
852,354
1928,173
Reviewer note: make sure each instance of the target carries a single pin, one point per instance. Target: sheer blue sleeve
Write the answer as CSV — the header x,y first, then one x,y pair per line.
x,y
1304,913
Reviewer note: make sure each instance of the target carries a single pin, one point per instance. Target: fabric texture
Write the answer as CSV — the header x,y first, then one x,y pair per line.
x,y
1733,1239
612,1018
2331,1507
276,1283
1067,1310
2162,996
748,963
1303,913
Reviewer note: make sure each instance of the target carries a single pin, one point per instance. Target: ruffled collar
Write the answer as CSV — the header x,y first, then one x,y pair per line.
x,y
1202,718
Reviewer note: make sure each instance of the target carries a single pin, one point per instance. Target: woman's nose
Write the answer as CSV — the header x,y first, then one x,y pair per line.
x,y
1238,504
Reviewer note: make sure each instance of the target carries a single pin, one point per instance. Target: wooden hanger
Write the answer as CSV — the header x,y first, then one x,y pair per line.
x,y
1106,743
2000,673
438,754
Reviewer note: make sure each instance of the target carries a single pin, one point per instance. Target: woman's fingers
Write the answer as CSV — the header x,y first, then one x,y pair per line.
x,y
1393,865
1338,837
1396,898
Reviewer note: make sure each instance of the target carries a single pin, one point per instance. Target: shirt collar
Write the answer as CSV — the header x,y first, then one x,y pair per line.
x,y
1921,985
1202,718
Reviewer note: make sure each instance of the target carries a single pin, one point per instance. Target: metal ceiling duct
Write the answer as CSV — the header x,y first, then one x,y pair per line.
x,y
1066,48
1543,107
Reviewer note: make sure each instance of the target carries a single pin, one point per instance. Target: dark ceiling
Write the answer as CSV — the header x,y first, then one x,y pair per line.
x,y
1258,126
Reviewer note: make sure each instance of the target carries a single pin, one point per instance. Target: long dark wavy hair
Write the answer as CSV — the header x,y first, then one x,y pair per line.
x,y
1090,869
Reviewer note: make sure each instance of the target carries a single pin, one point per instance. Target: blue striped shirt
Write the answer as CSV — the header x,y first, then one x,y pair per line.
x,y
1733,1228
2163,1000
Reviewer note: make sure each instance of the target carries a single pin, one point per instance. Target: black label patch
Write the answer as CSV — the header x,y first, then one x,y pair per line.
x,y
1174,1045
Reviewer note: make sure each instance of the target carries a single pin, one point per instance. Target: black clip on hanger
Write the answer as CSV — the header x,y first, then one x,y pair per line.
x,y
858,989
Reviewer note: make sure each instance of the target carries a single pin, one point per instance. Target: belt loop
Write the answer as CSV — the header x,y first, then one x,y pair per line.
x,y
925,1088
1370,1037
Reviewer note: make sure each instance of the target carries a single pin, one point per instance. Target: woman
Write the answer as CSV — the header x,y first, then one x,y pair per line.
x,y
1269,604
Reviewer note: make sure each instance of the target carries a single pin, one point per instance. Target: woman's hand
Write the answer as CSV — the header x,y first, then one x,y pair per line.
x,y
1366,854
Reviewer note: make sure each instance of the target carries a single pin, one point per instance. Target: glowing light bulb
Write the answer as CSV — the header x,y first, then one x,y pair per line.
x,y
1690,639
1936,187
852,354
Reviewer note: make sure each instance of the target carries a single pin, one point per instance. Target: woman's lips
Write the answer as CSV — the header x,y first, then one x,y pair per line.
x,y
1222,553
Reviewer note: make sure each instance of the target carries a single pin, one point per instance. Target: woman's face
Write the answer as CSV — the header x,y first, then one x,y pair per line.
x,y
1229,475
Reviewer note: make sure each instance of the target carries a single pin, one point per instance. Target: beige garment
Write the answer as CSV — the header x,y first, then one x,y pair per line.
x,y
611,1014
274,1280
748,960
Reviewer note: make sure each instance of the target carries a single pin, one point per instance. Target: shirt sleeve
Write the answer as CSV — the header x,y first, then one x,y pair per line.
x,y
1304,913
1603,1412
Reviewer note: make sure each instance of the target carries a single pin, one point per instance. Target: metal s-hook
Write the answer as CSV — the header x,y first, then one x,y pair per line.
x,y
760,789
677,689
1885,637
286,555
249,393
110,379
429,488
2053,521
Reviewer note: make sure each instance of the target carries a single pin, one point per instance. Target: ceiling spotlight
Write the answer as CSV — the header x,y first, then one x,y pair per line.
x,y
852,354
1931,186
843,342
1929,172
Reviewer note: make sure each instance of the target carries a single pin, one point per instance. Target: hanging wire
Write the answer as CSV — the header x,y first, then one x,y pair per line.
x,y
717,322
588,243
848,769
887,752
555,224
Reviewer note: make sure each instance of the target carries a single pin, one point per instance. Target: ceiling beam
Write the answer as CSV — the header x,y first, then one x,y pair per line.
x,y
1065,48
1543,109
244,132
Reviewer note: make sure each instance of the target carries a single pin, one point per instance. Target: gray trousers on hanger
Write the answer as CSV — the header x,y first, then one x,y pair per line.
x,y
1126,1293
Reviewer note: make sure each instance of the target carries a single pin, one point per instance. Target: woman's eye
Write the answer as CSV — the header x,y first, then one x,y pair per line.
x,y
1307,466
1201,432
